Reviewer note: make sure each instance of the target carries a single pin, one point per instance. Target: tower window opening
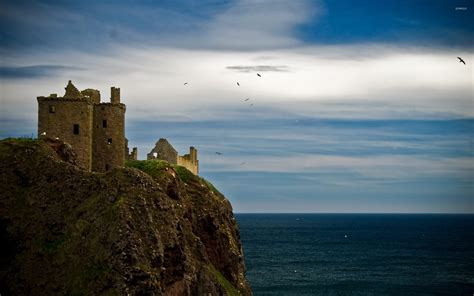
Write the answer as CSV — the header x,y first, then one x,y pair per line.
x,y
104,123
109,141
52,109
76,129
106,167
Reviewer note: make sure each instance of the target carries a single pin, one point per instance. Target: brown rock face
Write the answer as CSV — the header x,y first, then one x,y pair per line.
x,y
155,230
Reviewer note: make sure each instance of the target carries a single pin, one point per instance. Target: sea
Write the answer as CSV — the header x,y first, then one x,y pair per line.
x,y
358,254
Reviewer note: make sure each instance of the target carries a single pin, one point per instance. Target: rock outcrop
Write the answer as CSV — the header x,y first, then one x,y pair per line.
x,y
148,229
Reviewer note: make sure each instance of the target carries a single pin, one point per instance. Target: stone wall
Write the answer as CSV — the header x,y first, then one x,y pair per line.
x,y
164,151
93,94
130,155
109,137
133,155
189,164
95,130
57,118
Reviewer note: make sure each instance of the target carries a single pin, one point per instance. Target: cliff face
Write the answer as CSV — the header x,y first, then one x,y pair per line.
x,y
149,229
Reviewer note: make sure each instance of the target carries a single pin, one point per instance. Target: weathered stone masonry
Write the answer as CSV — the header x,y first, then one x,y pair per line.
x,y
95,130
163,150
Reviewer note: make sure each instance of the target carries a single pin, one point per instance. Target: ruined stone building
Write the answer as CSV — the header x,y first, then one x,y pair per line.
x,y
164,151
95,130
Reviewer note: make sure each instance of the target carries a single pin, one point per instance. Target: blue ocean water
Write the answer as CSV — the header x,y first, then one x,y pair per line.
x,y
358,254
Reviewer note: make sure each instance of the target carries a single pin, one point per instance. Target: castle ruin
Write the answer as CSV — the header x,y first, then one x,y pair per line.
x,y
95,130
163,150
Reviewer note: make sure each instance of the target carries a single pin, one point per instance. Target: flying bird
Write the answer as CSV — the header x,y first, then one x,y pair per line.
x,y
243,163
251,105
238,84
461,60
218,153
259,75
246,99
185,83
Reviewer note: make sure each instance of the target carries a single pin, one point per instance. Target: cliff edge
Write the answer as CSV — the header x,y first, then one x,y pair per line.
x,y
148,229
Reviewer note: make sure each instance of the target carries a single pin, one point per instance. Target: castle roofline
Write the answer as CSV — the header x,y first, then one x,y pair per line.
x,y
72,92
85,99
89,95
63,99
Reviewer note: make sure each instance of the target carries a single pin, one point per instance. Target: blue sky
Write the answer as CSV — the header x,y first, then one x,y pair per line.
x,y
362,105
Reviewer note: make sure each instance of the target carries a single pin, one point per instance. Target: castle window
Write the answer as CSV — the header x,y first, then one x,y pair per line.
x,y
76,129
106,167
104,123
109,141
52,109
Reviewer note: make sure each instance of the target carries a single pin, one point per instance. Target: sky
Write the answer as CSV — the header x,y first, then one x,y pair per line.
x,y
362,106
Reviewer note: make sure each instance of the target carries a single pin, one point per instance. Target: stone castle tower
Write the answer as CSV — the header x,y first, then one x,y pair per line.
x,y
95,130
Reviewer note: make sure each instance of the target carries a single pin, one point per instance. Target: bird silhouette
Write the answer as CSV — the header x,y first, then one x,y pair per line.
x,y
461,60
185,83
246,99
259,75
218,153
251,105
238,84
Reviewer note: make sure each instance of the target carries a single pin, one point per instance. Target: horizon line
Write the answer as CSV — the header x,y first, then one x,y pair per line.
x,y
354,213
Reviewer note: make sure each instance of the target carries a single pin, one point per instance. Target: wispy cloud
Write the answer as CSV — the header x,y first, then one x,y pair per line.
x,y
258,68
93,26
250,25
36,71
385,168
351,82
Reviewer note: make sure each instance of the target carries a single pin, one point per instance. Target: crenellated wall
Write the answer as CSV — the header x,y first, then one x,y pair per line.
x,y
189,164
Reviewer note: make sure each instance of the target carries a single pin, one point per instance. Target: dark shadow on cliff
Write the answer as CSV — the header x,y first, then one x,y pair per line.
x,y
149,229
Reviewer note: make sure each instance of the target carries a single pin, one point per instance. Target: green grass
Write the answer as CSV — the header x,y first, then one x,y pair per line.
x,y
156,168
228,287
153,168
183,173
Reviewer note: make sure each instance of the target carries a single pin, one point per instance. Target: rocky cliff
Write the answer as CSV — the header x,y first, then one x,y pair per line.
x,y
149,229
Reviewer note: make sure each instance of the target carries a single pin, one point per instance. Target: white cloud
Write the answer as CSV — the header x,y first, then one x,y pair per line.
x,y
344,81
365,81
250,24
385,167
